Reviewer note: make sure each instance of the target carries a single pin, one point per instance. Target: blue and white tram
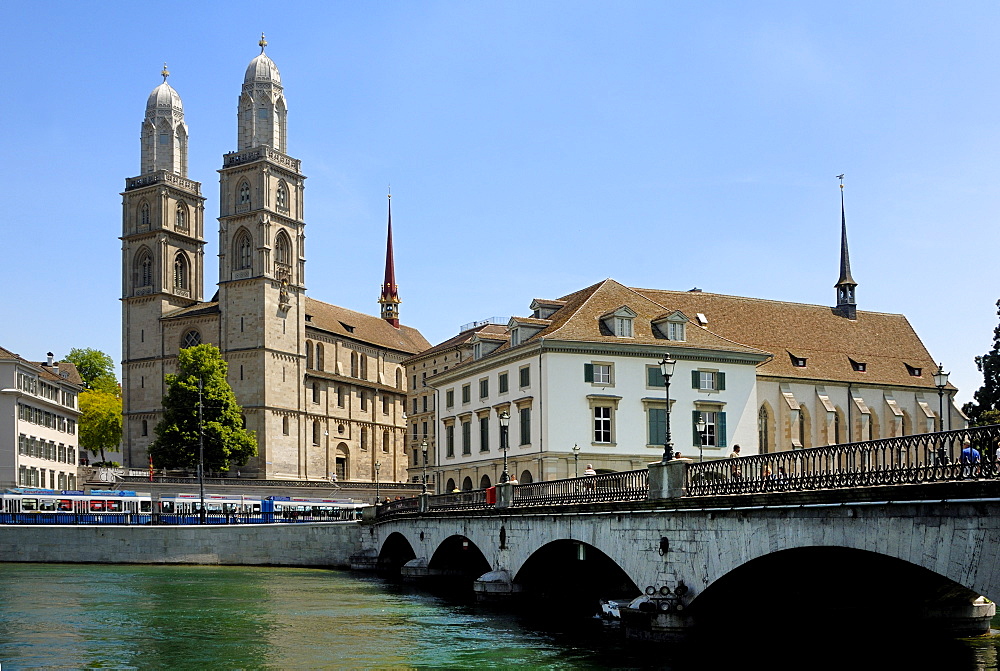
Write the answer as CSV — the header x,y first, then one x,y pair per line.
x,y
299,509
50,506
219,508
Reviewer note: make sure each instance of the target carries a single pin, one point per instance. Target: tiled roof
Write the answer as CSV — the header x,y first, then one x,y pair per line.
x,y
44,371
532,321
196,310
885,343
365,328
484,331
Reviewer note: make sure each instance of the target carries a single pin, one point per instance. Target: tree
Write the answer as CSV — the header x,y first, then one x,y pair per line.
x,y
987,399
226,442
100,421
96,368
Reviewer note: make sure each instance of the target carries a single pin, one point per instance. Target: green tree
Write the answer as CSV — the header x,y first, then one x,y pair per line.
x,y
226,441
96,368
984,409
100,421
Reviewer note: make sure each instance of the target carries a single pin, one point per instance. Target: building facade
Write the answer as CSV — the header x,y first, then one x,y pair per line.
x,y
39,414
321,386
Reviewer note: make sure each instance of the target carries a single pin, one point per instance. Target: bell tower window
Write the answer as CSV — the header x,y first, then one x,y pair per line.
x,y
180,220
181,272
144,215
244,195
282,197
243,248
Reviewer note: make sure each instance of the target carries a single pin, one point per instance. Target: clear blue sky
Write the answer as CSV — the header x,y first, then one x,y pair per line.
x,y
533,148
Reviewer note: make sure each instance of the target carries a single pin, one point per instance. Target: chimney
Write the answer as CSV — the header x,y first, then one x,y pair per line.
x,y
50,355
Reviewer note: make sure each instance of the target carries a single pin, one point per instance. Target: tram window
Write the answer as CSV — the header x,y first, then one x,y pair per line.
x,y
48,505
145,506
168,506
214,507
66,505
114,506
255,507
29,504
96,506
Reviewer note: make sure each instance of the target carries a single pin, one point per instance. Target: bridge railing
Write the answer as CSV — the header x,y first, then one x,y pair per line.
x,y
475,498
623,486
963,454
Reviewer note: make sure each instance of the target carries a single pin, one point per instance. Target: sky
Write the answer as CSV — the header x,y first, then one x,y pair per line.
x,y
533,149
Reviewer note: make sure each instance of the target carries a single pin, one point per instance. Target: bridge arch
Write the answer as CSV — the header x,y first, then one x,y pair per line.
x,y
394,553
459,557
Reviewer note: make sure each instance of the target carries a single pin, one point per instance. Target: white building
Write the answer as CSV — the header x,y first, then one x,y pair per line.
x,y
39,412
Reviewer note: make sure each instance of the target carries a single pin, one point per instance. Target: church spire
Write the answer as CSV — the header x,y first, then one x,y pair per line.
x,y
389,300
846,285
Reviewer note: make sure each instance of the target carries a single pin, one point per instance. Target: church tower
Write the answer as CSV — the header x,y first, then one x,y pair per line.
x,y
261,271
162,259
845,286
389,299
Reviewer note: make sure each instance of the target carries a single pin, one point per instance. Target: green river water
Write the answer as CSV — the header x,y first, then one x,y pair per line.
x,y
200,617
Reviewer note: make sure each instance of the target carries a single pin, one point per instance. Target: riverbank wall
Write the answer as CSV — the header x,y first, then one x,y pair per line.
x,y
319,544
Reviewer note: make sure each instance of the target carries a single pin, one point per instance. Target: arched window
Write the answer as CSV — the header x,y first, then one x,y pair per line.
x,y
526,478
316,430
309,354
467,484
190,339
341,396
243,199
363,364
319,356
242,250
284,426
399,378
282,249
450,485
484,482
385,441
363,399
762,436
144,268
315,390
281,198
364,438
243,421
145,428
144,215
181,280
354,364
180,219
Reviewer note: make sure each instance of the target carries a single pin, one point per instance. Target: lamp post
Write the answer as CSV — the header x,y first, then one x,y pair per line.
x,y
423,450
201,456
667,369
941,381
378,465
504,421
576,461
701,437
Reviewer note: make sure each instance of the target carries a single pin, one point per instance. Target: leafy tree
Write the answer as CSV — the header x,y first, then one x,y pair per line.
x,y
96,368
100,421
984,409
226,442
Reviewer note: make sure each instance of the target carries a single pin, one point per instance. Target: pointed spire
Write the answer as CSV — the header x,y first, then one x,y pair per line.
x,y
845,286
389,300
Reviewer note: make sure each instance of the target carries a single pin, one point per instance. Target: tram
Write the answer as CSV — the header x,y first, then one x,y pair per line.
x,y
299,509
51,506
219,508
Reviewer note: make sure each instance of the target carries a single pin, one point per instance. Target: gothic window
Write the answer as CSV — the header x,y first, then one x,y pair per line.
x,y
144,269
243,251
282,249
319,356
181,271
763,440
180,220
309,354
363,360
144,215
190,339
244,196
282,197
354,364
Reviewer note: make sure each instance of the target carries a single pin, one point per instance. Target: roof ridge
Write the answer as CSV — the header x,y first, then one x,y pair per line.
x,y
765,300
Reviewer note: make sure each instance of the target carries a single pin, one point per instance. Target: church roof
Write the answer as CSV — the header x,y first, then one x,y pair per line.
x,y
365,328
262,68
163,101
196,310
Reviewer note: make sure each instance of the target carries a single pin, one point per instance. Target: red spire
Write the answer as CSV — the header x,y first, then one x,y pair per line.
x,y
389,300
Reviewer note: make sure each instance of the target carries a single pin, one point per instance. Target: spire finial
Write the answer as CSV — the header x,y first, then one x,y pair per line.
x,y
165,72
262,43
846,299
389,300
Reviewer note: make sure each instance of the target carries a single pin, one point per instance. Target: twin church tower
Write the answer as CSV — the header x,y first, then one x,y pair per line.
x,y
323,387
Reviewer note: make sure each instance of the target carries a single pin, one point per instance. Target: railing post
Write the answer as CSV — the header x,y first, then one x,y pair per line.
x,y
505,495
668,480
425,503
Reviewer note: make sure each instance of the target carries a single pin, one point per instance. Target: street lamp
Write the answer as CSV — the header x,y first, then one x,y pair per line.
x,y
423,449
701,437
504,421
201,455
941,381
378,465
576,461
667,369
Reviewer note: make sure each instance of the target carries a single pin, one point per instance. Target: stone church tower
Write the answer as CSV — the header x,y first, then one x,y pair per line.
x,y
322,387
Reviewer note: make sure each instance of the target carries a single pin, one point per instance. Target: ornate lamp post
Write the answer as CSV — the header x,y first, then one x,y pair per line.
x,y
378,466
201,456
504,421
667,369
576,461
423,450
701,437
941,381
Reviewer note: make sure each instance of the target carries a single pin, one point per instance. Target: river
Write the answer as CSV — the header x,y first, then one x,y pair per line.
x,y
210,617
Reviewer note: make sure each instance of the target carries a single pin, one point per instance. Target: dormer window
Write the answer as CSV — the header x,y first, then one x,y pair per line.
x,y
515,337
859,366
477,351
619,322
913,370
623,327
673,326
797,361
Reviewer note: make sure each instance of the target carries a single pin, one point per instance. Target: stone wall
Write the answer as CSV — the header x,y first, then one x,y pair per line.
x,y
327,544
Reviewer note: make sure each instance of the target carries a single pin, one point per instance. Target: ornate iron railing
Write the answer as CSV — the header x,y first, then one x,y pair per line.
x,y
475,498
623,486
927,457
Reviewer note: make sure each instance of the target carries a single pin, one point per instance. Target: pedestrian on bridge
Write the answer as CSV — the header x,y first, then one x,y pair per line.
x,y
737,471
970,455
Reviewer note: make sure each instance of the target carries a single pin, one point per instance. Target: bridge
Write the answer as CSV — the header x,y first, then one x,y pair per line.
x,y
895,533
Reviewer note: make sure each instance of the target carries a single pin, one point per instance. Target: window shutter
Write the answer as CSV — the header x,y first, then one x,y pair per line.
x,y
657,420
588,372
654,378
696,437
720,429
720,380
695,379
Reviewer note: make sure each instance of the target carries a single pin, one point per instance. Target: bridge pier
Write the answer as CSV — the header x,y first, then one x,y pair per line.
x,y
961,620
654,621
495,587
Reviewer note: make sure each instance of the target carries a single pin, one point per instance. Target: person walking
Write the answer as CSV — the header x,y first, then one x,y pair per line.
x,y
737,471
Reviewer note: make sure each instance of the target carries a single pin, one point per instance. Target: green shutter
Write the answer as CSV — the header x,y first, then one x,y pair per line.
x,y
720,428
654,378
695,379
588,372
720,380
696,437
657,421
